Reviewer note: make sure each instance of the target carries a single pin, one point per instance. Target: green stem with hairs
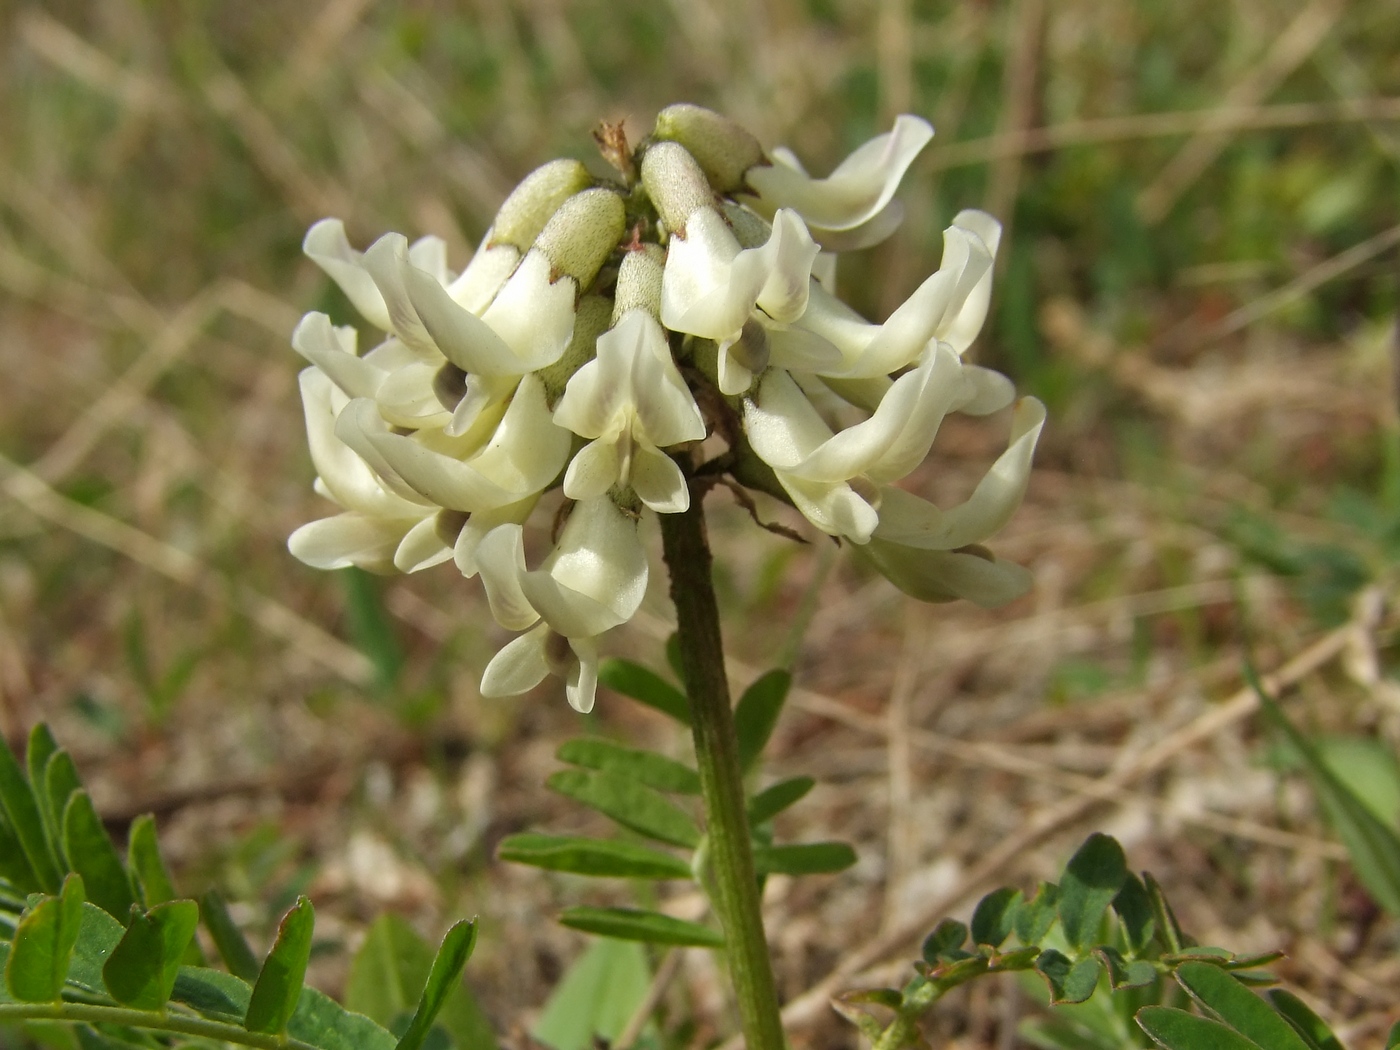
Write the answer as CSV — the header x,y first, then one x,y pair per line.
x,y
736,894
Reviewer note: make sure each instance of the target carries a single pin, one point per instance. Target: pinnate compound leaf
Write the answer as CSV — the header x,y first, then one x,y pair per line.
x,y
1374,847
279,984
757,712
803,858
772,800
634,924
443,979
629,803
91,854
1312,1028
947,937
1177,1030
1069,981
992,919
1032,919
597,996
142,969
1091,881
21,811
228,939
43,945
645,686
647,767
598,857
1223,995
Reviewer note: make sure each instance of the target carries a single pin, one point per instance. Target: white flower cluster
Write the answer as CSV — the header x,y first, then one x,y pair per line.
x,y
600,333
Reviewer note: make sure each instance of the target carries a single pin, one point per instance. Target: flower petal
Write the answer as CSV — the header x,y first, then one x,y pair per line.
x,y
480,524
422,547
327,246
349,539
581,685
488,270
908,520
857,190
595,469
599,555
332,350
658,481
534,314
501,559
462,337
962,326
519,666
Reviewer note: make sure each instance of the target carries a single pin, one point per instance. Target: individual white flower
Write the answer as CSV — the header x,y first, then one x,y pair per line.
x,y
631,401
817,466
937,555
378,529
854,206
593,580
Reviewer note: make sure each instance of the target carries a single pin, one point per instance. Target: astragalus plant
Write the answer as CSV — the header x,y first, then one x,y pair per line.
x,y
619,345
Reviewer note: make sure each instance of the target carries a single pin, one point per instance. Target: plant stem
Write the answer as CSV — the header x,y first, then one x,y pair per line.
x,y
151,1020
736,894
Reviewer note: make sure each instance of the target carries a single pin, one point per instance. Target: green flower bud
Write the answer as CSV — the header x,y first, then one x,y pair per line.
x,y
639,282
749,229
532,203
582,234
675,183
724,149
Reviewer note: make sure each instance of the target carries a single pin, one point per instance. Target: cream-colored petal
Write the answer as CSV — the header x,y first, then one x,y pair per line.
x,y
962,326
500,559
518,667
489,269
595,469
661,401
480,525
349,539
406,397
533,315
422,547
658,481
787,261
332,350
984,391
461,336
702,291
782,426
327,246
600,555
581,684
429,254
859,187
833,507
913,522
386,260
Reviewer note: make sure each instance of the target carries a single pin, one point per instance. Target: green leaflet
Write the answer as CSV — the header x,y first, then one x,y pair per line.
x,y
1238,1007
1069,981
992,919
806,858
91,854
1091,881
43,945
279,984
1178,1030
598,857
646,687
756,714
22,814
647,767
442,980
142,969
772,800
228,939
634,924
629,803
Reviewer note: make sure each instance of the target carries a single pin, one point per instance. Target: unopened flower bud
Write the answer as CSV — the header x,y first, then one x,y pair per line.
x,y
724,150
533,203
582,234
750,230
675,183
639,282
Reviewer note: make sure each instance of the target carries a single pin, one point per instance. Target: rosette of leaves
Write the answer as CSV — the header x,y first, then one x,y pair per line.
x,y
103,943
1115,962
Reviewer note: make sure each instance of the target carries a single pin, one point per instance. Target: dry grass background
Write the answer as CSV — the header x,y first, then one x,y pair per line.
x,y
1200,279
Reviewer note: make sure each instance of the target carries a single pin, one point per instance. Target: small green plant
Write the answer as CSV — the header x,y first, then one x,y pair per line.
x,y
1099,932
103,942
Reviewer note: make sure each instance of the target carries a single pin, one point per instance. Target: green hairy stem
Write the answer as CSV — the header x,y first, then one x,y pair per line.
x,y
736,895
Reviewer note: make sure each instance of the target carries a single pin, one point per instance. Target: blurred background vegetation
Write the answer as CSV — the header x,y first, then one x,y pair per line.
x,y
1200,277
